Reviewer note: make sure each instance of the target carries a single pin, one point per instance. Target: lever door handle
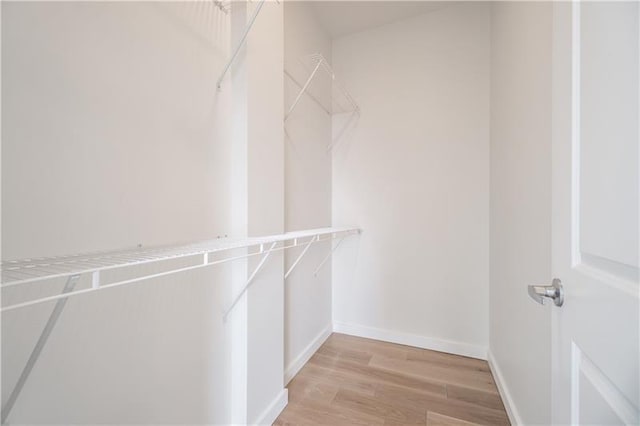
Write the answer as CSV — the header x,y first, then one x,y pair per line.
x,y
554,292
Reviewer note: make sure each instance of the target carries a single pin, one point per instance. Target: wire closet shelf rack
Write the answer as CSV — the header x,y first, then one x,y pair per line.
x,y
15,273
315,65
25,271
341,102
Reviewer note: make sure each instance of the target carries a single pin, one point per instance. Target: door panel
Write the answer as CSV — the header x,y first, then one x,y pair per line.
x,y
596,351
608,134
600,400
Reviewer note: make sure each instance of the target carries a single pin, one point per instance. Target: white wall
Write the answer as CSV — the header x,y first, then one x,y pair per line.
x,y
265,212
414,174
307,186
104,111
520,329
114,135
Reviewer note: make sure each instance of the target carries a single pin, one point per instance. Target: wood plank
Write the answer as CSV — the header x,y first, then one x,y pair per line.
x,y
475,396
374,375
389,422
435,419
447,360
374,347
338,378
399,396
474,379
311,414
352,380
378,407
304,387
357,356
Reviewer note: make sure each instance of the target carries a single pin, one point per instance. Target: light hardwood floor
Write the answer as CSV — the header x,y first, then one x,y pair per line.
x,y
351,380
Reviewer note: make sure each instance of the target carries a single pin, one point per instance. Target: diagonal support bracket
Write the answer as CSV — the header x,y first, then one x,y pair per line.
x,y
240,43
249,281
304,89
37,349
313,240
327,257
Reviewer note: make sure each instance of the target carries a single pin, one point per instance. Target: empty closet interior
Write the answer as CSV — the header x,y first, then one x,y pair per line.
x,y
195,195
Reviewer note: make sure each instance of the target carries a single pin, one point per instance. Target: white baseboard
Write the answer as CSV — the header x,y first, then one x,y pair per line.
x,y
512,411
306,354
457,348
274,409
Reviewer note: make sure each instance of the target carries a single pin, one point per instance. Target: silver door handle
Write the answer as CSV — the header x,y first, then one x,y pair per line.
x,y
553,291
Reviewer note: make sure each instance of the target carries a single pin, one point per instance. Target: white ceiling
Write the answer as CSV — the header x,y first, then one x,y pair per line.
x,y
345,17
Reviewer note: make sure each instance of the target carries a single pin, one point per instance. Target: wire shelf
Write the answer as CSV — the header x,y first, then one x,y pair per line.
x,y
24,271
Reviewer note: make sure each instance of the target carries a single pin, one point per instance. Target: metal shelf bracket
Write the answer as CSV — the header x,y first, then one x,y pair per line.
x,y
37,349
320,63
243,38
315,273
249,281
313,240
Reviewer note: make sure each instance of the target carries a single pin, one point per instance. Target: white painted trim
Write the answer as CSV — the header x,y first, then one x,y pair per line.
x,y
274,409
424,342
306,354
509,404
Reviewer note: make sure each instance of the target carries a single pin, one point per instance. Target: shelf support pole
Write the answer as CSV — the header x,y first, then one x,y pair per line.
x,y
327,257
249,281
313,240
37,350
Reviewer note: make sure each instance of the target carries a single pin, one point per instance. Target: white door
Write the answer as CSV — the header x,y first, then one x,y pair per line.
x,y
596,355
